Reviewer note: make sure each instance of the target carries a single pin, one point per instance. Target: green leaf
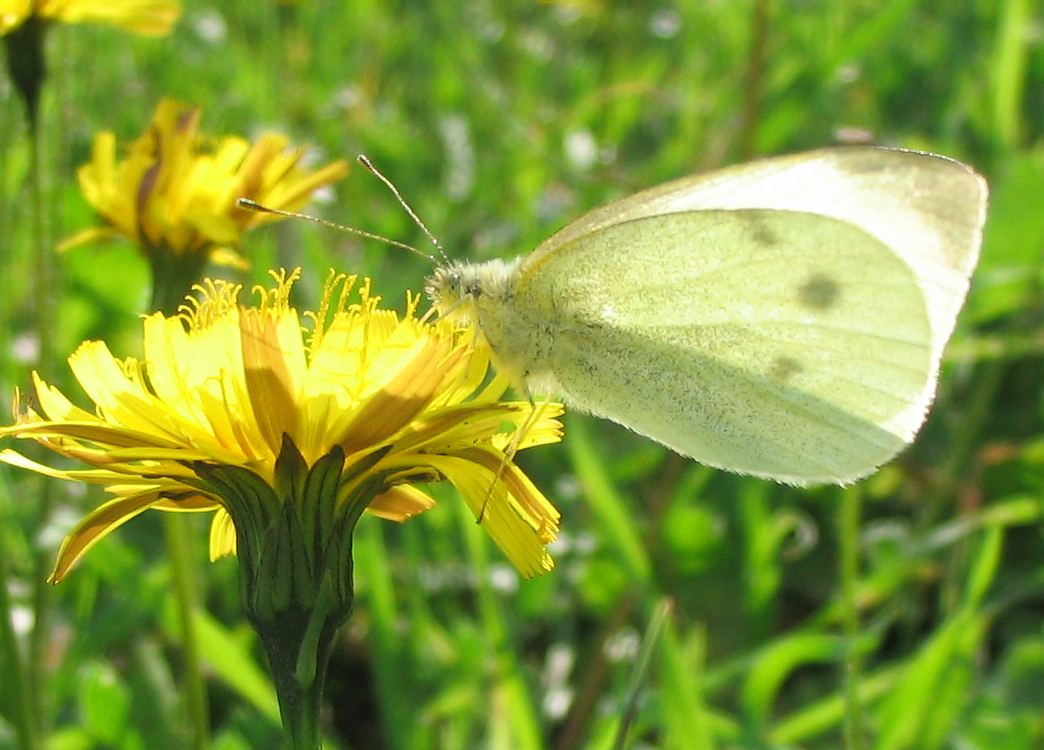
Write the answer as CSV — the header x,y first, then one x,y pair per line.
x,y
104,701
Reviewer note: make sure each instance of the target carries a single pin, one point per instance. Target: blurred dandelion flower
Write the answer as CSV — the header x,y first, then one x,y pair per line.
x,y
13,13
231,410
174,192
23,24
151,17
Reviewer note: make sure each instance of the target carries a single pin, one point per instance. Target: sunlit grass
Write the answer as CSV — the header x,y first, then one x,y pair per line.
x,y
499,124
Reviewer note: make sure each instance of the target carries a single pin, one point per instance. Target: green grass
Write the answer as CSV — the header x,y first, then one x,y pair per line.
x,y
903,613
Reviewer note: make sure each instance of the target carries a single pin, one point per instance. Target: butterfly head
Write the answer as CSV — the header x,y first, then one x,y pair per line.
x,y
456,289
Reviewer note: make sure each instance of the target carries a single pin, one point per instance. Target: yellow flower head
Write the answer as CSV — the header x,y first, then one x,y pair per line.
x,y
232,409
174,192
152,17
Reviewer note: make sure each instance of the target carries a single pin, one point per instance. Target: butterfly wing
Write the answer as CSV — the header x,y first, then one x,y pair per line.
x,y
927,209
779,343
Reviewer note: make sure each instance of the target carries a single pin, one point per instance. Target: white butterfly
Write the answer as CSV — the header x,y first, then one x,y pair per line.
x,y
784,318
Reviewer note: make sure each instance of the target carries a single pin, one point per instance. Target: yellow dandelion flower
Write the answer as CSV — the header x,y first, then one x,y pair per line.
x,y
233,411
174,191
13,13
288,439
151,17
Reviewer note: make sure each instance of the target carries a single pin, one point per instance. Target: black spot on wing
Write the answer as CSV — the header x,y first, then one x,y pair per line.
x,y
820,292
760,232
784,368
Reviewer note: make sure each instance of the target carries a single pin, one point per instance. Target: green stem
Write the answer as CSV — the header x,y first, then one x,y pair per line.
x,y
640,671
300,699
168,291
21,712
851,508
183,574
293,539
173,277
754,84
45,294
294,542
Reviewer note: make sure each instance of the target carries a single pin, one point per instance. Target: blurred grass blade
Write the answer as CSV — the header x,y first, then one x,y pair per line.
x,y
774,664
514,722
385,639
932,693
640,672
229,658
606,502
19,707
686,719
1009,71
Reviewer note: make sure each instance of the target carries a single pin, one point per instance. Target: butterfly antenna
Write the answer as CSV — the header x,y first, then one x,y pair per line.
x,y
249,205
365,161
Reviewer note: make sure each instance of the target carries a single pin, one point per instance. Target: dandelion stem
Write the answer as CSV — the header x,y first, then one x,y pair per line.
x,y
172,279
168,290
300,699
44,287
184,579
21,713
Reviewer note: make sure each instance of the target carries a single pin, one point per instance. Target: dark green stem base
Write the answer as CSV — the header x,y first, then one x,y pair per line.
x,y
300,699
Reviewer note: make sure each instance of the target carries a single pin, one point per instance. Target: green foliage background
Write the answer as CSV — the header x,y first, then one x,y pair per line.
x,y
905,612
